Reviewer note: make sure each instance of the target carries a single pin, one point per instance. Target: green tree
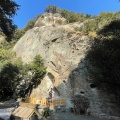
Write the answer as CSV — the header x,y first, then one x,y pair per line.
x,y
8,9
23,68
71,16
8,78
90,25
30,24
18,34
30,75
51,9
38,67
65,14
88,16
6,54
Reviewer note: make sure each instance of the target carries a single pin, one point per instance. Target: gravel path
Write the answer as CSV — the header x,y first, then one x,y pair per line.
x,y
5,113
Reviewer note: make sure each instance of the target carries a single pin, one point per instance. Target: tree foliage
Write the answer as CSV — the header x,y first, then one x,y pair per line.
x,y
8,78
104,57
12,75
31,75
8,9
30,24
18,34
38,67
70,16
6,54
51,9
98,22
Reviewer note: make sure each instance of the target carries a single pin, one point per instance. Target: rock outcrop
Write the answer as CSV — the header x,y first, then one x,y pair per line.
x,y
63,50
49,19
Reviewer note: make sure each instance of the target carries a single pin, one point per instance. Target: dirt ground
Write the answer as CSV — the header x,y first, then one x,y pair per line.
x,y
71,116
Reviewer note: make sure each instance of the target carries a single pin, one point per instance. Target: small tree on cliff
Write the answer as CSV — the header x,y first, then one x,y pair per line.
x,y
38,68
51,9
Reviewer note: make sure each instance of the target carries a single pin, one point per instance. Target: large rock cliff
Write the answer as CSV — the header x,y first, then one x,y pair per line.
x,y
63,50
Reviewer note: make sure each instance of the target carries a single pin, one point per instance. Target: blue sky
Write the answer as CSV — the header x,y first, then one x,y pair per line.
x,y
31,8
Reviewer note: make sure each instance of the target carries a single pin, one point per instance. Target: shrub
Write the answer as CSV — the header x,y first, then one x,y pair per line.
x,y
18,34
30,24
46,113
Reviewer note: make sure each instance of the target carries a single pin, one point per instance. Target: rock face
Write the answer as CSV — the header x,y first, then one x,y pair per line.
x,y
64,51
48,19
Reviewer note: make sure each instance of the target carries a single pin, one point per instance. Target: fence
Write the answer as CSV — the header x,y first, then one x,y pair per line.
x,y
46,102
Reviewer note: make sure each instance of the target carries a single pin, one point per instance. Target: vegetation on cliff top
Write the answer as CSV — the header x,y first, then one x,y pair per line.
x,y
91,23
